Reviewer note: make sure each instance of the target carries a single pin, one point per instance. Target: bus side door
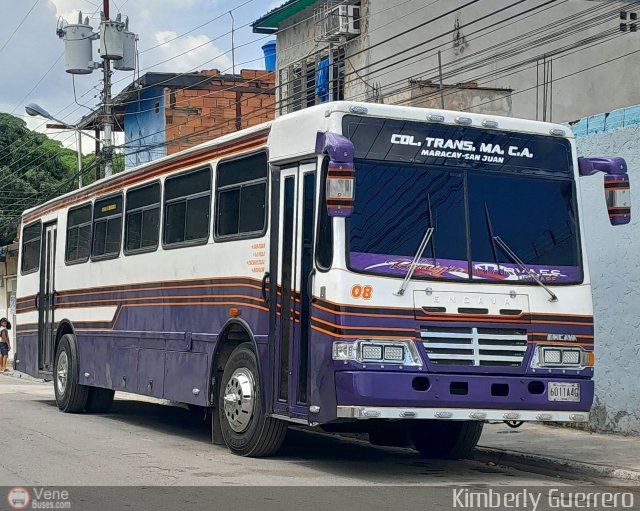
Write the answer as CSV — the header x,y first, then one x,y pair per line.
x,y
46,299
292,237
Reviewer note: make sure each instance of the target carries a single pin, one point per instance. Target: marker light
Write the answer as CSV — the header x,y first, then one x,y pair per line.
x,y
339,188
464,120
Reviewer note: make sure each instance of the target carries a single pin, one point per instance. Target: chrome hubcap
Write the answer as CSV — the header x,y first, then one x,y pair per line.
x,y
239,399
62,371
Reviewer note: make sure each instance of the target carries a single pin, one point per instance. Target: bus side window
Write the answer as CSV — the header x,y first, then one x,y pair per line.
x,y
107,227
324,241
187,206
142,219
78,245
31,236
241,192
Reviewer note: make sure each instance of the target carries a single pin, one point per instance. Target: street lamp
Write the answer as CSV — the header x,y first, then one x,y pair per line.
x,y
35,110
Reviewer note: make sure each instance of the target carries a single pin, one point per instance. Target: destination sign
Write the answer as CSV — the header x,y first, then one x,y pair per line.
x,y
457,146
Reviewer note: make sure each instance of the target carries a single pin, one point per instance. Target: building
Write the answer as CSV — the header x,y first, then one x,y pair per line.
x,y
536,59
8,285
163,113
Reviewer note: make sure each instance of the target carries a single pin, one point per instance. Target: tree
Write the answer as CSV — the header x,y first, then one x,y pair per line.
x,y
33,170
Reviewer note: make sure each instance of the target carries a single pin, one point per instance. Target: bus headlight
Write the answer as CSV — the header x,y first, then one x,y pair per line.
x,y
562,357
381,351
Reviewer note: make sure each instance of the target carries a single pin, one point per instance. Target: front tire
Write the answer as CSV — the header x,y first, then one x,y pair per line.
x,y
445,439
245,428
71,397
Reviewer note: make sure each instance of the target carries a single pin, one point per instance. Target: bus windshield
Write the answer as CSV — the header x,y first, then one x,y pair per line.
x,y
414,176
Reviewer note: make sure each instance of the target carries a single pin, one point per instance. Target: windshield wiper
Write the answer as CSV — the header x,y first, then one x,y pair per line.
x,y
491,236
497,240
505,248
412,267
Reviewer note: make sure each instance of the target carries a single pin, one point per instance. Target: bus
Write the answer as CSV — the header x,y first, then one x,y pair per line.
x,y
403,272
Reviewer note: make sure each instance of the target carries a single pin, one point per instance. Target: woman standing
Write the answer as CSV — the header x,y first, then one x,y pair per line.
x,y
5,344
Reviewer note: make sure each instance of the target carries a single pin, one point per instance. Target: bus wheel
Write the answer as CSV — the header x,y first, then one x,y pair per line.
x,y
445,439
99,400
71,397
245,428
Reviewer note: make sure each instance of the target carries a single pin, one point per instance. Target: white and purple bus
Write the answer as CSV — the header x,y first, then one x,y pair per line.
x,y
404,272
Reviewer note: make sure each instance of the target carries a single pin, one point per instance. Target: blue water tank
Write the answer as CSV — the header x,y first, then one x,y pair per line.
x,y
269,50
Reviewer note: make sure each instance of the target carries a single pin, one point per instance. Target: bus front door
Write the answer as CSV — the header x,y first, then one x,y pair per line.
x,y
292,265
46,297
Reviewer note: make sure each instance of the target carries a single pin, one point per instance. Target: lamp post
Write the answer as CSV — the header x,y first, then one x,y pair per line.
x,y
35,110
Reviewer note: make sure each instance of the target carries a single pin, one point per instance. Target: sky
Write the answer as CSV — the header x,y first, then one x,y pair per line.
x,y
32,61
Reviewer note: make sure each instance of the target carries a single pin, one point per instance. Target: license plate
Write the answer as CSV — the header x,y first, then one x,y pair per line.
x,y
563,392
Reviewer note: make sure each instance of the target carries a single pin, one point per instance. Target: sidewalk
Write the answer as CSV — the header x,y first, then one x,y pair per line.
x,y
566,450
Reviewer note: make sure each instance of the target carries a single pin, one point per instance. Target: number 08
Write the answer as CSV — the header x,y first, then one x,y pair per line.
x,y
364,292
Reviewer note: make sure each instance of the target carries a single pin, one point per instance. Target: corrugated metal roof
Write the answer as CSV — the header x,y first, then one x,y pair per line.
x,y
270,21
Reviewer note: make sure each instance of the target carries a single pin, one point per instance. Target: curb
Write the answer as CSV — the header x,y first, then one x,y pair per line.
x,y
546,464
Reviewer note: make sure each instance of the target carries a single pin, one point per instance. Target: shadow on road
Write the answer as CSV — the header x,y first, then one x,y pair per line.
x,y
335,455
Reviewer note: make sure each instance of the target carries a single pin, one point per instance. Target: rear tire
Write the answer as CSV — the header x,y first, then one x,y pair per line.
x,y
71,397
245,428
445,439
99,400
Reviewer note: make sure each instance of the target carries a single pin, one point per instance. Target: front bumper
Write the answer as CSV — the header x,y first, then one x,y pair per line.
x,y
387,394
381,412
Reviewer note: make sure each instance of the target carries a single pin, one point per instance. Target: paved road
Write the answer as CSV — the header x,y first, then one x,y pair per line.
x,y
144,443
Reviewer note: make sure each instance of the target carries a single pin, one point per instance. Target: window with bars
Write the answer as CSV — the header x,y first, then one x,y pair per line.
x,y
311,81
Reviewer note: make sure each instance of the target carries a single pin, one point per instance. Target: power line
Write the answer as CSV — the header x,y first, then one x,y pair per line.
x,y
191,136
19,25
200,65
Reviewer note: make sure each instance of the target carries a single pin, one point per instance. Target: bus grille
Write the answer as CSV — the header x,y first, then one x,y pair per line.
x,y
463,346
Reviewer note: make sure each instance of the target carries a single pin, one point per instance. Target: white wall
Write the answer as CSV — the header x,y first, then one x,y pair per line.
x,y
614,259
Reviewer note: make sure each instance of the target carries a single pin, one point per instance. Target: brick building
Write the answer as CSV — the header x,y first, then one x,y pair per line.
x,y
163,113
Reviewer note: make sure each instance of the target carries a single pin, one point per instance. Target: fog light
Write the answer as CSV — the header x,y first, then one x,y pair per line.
x,y
394,353
551,356
571,357
371,352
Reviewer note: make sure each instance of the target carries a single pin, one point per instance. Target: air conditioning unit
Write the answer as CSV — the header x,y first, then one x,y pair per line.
x,y
343,20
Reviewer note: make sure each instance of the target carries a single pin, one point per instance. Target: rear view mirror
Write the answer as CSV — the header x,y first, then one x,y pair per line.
x,y
616,185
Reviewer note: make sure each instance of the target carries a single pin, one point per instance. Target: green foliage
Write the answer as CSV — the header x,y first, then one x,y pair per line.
x,y
33,169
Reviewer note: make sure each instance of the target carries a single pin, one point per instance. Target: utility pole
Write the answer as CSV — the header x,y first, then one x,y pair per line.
x,y
117,43
107,124
108,119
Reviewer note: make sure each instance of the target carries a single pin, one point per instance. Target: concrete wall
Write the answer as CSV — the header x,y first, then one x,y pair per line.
x,y
507,55
463,98
296,41
573,97
614,259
